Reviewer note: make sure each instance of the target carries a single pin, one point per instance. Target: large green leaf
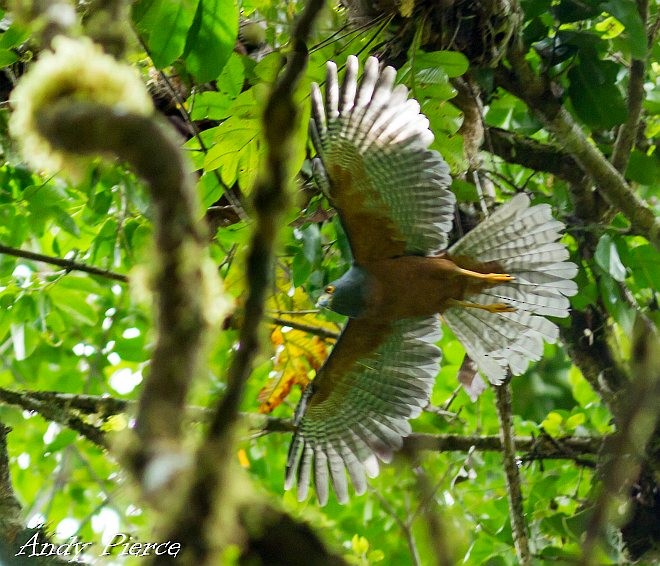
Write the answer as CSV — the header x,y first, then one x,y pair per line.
x,y
211,38
164,24
594,94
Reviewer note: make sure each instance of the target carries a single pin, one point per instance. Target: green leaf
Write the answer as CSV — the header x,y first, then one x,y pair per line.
x,y
574,421
212,105
25,340
74,305
643,169
627,13
209,189
131,349
65,221
575,10
301,269
464,191
311,237
216,105
614,303
232,138
13,36
63,439
7,57
535,8
211,38
165,25
453,63
594,94
248,166
607,257
645,264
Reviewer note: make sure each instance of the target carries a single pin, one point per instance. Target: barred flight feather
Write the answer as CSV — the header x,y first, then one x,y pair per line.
x,y
523,241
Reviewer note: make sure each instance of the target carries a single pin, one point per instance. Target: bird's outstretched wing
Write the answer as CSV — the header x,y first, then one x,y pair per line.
x,y
390,190
377,377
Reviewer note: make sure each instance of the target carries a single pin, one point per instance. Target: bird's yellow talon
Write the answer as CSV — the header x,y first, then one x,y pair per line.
x,y
499,277
492,278
499,307
493,307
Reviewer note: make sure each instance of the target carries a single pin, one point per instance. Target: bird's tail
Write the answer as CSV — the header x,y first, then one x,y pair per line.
x,y
523,241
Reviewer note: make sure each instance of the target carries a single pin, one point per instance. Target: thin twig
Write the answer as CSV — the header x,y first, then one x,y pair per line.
x,y
442,554
625,139
514,490
67,264
405,526
315,330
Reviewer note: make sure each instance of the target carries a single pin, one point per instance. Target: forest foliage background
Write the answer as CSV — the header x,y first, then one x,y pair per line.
x,y
558,99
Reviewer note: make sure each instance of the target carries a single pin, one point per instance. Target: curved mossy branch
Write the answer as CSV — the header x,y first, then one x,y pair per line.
x,y
153,153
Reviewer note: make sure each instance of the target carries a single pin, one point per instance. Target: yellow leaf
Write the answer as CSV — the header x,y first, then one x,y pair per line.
x,y
298,353
243,458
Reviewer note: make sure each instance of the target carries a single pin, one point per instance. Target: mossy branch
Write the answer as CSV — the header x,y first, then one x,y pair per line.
x,y
58,407
211,486
537,93
153,152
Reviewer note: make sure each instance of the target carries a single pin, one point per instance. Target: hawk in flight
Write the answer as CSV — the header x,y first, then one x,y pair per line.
x,y
493,288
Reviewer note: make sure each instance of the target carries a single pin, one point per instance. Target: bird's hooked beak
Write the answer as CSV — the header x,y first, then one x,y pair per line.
x,y
324,301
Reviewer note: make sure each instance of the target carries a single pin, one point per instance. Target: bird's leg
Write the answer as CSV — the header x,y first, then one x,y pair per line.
x,y
493,278
493,307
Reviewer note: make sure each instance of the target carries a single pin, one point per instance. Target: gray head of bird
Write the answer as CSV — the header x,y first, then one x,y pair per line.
x,y
349,294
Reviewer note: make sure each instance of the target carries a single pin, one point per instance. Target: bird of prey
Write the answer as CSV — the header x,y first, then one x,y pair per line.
x,y
493,287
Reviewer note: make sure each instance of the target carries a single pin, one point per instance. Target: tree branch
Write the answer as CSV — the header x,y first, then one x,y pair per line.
x,y
68,264
57,413
10,508
210,486
179,280
54,406
626,449
518,149
539,448
537,93
625,139
514,491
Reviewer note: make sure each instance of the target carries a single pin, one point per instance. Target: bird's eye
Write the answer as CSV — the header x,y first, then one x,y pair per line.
x,y
330,289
